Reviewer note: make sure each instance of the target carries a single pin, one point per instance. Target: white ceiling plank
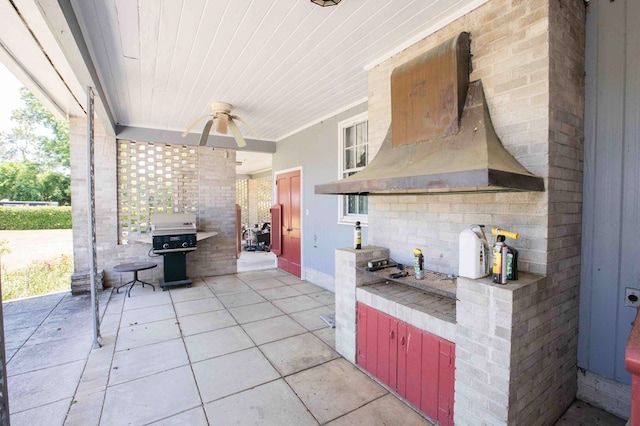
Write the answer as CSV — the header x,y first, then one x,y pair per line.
x,y
22,54
167,35
206,89
282,64
149,13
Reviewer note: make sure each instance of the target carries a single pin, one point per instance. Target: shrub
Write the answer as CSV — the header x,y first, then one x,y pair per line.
x,y
27,218
40,277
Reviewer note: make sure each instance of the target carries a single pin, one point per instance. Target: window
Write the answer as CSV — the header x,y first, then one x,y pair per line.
x,y
354,156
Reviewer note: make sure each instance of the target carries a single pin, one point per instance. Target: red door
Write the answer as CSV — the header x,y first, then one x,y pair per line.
x,y
288,190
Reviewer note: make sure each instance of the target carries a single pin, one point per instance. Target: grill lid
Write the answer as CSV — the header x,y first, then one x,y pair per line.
x,y
441,139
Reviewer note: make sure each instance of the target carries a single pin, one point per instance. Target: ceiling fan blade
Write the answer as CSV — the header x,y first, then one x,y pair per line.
x,y
186,132
237,135
205,132
235,117
221,125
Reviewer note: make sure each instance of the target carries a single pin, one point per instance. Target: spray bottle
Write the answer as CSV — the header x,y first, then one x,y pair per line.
x,y
357,236
418,264
502,262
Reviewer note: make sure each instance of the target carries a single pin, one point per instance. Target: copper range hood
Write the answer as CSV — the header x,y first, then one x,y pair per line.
x,y
441,139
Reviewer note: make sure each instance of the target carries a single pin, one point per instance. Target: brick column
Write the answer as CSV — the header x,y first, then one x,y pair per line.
x,y
347,279
506,348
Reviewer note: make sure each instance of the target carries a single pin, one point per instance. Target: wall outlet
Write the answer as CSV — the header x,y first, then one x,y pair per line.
x,y
632,297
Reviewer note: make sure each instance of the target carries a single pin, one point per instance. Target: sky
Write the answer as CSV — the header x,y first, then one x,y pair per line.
x,y
9,97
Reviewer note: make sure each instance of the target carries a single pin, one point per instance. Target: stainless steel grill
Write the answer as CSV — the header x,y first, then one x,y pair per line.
x,y
173,233
173,236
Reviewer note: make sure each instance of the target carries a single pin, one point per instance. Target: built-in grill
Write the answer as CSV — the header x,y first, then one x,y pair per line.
x,y
173,236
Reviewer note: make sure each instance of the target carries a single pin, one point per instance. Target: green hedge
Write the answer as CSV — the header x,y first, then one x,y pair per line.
x,y
25,218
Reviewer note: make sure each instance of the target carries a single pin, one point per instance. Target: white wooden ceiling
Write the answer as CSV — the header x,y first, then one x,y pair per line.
x,y
283,64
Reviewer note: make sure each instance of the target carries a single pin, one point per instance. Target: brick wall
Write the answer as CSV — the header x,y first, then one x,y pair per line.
x,y
510,55
530,57
215,256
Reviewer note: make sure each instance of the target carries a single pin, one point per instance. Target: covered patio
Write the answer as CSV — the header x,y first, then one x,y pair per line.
x,y
248,348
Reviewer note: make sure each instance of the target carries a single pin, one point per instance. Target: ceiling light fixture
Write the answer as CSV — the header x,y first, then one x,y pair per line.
x,y
324,3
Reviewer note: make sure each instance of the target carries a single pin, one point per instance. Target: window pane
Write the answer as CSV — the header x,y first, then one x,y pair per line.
x,y
361,133
352,207
363,204
361,155
349,137
349,159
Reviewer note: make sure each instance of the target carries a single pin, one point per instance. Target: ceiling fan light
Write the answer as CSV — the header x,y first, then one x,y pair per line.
x,y
324,3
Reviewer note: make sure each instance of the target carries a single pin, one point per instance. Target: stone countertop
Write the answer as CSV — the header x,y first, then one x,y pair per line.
x,y
426,311
433,282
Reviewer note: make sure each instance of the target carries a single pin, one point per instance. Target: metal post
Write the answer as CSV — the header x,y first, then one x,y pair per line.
x,y
93,258
4,391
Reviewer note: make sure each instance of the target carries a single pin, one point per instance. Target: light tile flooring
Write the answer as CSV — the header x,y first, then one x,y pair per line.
x,y
239,349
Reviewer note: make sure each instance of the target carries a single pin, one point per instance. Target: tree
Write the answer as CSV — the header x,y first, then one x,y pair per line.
x,y
35,155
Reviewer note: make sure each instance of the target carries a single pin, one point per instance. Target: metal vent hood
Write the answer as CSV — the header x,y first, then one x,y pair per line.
x,y
441,139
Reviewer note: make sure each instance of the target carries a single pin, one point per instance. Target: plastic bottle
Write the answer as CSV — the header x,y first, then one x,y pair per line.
x,y
418,264
474,253
512,263
500,261
357,236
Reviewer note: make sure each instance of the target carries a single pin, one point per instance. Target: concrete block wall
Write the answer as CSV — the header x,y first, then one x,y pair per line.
x,y
348,278
217,200
530,57
566,153
509,44
502,350
215,256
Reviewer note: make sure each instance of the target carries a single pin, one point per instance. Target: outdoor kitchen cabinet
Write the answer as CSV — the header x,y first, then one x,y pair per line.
x,y
417,365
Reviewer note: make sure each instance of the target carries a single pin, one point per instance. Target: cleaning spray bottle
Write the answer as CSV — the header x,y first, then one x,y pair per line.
x,y
502,262
418,264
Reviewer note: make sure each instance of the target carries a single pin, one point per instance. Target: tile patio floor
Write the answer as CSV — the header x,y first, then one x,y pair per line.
x,y
242,349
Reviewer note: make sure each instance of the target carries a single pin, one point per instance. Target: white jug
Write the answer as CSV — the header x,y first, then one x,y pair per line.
x,y
474,253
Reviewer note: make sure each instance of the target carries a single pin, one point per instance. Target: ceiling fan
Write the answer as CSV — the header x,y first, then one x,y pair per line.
x,y
224,122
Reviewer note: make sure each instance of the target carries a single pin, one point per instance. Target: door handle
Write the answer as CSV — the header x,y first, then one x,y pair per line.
x,y
391,335
289,229
402,340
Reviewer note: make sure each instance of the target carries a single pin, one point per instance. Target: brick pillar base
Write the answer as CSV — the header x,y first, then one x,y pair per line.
x,y
347,279
81,282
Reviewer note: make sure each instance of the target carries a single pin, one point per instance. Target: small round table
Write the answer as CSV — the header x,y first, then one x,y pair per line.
x,y
134,267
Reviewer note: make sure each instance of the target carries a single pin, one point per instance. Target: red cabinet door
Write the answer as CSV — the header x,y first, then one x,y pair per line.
x,y
430,371
419,366
387,350
371,364
446,382
361,334
413,373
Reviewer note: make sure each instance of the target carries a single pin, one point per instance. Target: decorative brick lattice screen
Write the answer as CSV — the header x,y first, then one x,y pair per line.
x,y
154,178
242,199
265,188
